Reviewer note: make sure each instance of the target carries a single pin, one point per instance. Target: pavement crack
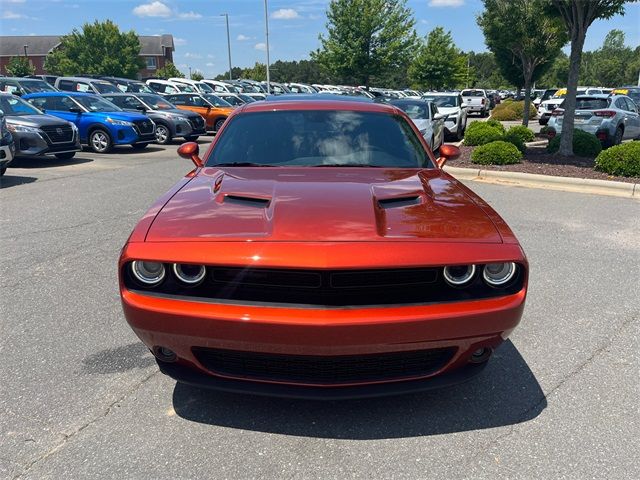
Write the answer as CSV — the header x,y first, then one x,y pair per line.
x,y
66,437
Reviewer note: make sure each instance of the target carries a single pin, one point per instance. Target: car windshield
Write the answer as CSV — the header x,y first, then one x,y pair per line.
x,y
473,93
105,87
96,104
443,101
11,106
205,88
319,138
216,101
414,110
591,103
246,98
35,86
156,102
233,100
185,88
134,87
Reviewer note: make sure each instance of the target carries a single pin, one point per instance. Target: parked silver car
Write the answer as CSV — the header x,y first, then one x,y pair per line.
x,y
426,117
453,108
611,118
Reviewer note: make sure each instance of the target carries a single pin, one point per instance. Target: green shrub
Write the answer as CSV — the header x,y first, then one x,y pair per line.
x,y
622,160
496,153
522,132
518,107
584,144
515,140
495,123
512,111
544,131
504,115
479,133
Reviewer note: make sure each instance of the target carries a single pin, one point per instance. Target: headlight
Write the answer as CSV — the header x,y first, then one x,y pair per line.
x,y
148,273
22,128
459,275
189,274
180,119
498,274
119,122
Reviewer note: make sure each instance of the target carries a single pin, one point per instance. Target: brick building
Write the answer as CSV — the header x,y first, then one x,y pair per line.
x,y
156,51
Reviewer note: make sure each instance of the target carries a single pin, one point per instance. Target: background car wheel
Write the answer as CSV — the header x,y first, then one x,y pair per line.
x,y
191,138
65,156
163,134
218,125
139,146
543,121
3,171
100,141
617,139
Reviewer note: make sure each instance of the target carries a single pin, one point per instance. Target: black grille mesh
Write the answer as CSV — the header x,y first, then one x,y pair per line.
x,y
58,133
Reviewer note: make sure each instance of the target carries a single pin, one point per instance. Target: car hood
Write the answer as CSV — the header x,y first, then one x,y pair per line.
x,y
449,110
322,204
36,120
126,116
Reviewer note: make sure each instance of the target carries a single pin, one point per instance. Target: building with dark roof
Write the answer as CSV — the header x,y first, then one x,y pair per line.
x,y
155,50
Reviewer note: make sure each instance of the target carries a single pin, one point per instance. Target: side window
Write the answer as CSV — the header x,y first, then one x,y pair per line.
x,y
434,110
66,85
632,105
40,103
65,104
621,104
10,86
119,101
218,88
177,99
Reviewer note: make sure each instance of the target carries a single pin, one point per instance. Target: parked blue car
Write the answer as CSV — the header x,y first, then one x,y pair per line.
x,y
101,123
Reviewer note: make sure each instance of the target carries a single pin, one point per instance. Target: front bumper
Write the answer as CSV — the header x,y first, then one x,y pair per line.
x,y
125,135
451,125
35,144
7,153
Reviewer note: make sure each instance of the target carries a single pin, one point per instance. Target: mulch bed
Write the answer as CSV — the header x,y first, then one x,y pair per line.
x,y
537,160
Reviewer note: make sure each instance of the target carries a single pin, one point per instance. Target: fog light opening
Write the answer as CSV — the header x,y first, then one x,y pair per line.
x,y
481,355
164,354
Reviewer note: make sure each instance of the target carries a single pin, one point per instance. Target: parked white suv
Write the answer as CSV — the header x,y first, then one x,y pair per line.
x,y
547,107
453,108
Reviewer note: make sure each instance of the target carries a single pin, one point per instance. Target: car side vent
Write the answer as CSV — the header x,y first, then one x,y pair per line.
x,y
248,201
399,202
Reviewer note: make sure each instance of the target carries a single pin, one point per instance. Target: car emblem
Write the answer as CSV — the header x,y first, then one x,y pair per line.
x,y
59,131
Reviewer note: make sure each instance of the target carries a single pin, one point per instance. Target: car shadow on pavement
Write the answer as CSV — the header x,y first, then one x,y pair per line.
x,y
46,162
119,359
505,393
9,180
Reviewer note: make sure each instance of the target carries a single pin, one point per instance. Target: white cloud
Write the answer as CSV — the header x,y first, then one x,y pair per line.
x,y
14,1
189,16
209,64
192,55
446,3
242,38
178,42
285,14
260,46
9,15
153,9
210,55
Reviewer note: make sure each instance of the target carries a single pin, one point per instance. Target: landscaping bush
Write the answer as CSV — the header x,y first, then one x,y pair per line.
x,y
584,144
495,123
621,160
479,133
512,111
514,139
544,131
522,132
496,153
504,115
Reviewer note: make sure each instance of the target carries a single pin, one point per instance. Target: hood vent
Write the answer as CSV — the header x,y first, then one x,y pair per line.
x,y
399,202
247,201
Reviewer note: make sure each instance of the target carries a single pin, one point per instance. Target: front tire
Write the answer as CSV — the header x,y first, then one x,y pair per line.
x,y
139,146
65,156
218,125
617,139
163,134
100,141
3,170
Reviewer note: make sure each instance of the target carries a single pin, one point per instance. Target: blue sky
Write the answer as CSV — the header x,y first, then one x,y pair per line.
x,y
200,33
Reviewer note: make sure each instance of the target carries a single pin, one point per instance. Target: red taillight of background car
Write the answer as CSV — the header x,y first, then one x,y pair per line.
x,y
551,133
557,112
602,136
605,113
483,101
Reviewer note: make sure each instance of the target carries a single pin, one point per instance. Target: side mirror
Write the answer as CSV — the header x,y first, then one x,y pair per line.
x,y
75,110
439,116
191,150
448,152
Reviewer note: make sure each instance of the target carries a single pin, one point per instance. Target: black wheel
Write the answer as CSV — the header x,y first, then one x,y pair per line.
x,y
617,139
139,146
65,156
100,141
218,125
163,134
191,138
3,170
543,121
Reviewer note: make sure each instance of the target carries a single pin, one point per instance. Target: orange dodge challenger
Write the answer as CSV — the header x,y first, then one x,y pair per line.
x,y
319,250
212,108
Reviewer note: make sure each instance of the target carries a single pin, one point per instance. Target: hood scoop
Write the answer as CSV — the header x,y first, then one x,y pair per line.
x,y
247,201
397,202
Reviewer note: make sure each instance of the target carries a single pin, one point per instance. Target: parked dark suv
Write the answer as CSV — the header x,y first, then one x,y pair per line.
x,y
170,122
129,86
22,86
35,133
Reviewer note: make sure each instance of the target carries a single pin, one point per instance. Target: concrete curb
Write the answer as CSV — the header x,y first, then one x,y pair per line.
x,y
532,180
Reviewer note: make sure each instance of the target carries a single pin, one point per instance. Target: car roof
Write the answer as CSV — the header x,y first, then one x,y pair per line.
x,y
61,94
279,103
595,95
441,94
313,97
84,79
23,79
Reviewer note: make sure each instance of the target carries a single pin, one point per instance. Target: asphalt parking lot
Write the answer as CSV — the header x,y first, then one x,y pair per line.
x,y
80,397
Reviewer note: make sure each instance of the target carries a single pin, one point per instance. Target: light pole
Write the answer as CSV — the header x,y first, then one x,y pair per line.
x,y
226,15
266,25
25,50
189,73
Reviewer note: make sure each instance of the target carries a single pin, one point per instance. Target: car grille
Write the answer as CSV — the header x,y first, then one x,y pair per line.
x,y
143,127
324,370
197,122
58,133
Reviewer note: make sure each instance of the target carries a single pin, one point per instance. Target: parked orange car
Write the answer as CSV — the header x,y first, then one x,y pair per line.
x,y
213,109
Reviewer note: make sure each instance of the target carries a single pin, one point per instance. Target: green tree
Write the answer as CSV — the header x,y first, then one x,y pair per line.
x,y
608,64
557,74
19,67
436,65
236,72
197,75
169,71
366,39
577,16
99,48
258,72
525,39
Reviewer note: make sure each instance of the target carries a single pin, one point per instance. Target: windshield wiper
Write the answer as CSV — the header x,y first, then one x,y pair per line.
x,y
362,165
242,164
